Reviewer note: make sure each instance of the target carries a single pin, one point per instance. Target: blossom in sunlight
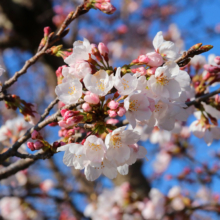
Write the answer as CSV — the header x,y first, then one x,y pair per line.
x,y
94,149
168,81
138,107
69,92
78,70
74,155
81,50
94,170
100,83
166,49
203,130
117,144
136,152
126,84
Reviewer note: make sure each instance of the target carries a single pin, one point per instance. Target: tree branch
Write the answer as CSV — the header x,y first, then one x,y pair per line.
x,y
202,98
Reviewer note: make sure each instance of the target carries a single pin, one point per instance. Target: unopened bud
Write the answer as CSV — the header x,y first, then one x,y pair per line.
x,y
86,107
217,60
195,47
205,48
113,105
103,49
217,99
47,31
211,68
35,135
30,145
38,145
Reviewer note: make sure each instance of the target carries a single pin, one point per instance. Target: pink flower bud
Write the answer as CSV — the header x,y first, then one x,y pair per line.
x,y
38,145
63,111
217,99
151,71
56,144
59,71
62,123
35,135
71,132
112,114
53,124
74,120
217,60
154,59
105,7
47,31
135,61
112,121
113,105
30,145
211,68
206,75
86,107
143,59
69,114
121,111
103,49
92,98
140,71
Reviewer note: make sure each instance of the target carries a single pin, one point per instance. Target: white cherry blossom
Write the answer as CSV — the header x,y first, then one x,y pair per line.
x,y
168,81
166,49
74,155
126,84
117,144
100,83
77,70
138,107
209,133
94,170
94,148
69,92
81,50
136,152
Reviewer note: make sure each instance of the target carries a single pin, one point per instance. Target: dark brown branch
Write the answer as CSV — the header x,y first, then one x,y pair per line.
x,y
202,98
58,36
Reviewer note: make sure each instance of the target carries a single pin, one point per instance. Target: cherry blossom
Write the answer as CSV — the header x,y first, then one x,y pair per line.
x,y
69,92
126,84
166,49
94,149
138,107
100,83
81,50
117,144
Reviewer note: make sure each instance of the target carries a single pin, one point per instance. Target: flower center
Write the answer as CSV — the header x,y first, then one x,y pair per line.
x,y
125,83
162,80
133,106
95,147
72,90
116,141
158,107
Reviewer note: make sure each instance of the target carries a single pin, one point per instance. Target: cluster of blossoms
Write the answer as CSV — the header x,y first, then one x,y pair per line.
x,y
153,94
151,91
124,203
